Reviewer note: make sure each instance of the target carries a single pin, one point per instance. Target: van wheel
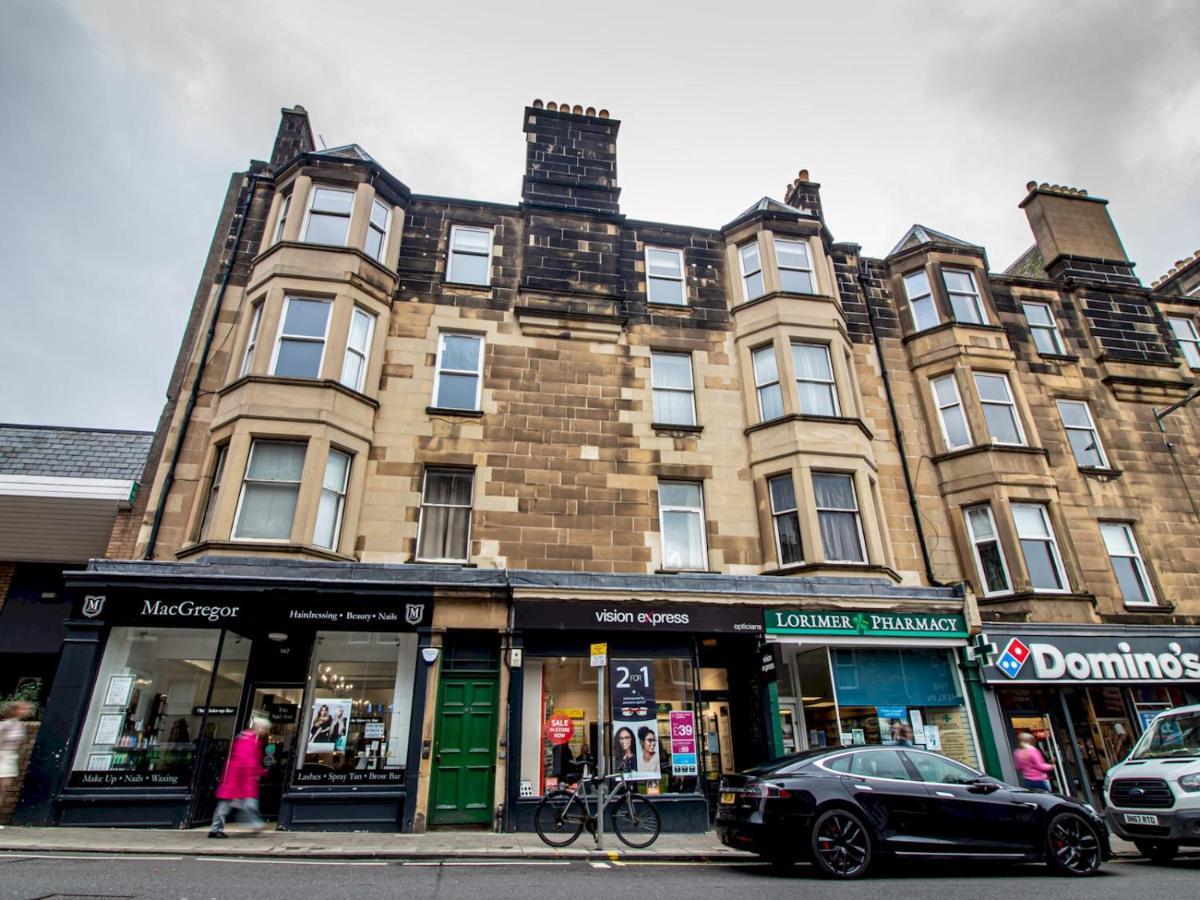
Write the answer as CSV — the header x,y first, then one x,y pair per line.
x,y
1161,852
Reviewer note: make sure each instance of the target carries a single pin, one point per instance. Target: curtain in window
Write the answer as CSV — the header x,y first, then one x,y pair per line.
x,y
837,512
272,484
814,375
446,515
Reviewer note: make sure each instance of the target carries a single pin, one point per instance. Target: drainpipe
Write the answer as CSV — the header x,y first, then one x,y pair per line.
x,y
194,394
887,390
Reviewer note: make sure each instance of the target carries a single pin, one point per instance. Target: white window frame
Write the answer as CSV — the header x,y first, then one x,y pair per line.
x,y
857,510
831,383
451,252
1011,403
1052,541
976,540
976,299
681,280
214,491
237,515
340,493
303,338
437,470
1035,327
690,390
777,514
1189,343
383,233
662,529
308,213
912,302
941,410
364,354
1092,428
808,254
284,205
746,276
1139,564
478,373
760,386
251,339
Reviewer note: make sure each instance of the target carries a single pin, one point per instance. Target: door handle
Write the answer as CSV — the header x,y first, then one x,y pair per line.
x,y
437,757
945,794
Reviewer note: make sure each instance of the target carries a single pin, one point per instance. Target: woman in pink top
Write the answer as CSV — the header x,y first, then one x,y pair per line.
x,y
1031,765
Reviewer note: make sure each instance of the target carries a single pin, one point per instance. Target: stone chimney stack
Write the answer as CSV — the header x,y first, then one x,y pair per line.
x,y
804,195
294,137
1075,236
570,158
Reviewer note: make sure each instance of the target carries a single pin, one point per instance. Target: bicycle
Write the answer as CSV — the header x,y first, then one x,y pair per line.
x,y
562,814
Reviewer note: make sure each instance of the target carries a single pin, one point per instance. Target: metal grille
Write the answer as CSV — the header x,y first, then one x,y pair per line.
x,y
1141,793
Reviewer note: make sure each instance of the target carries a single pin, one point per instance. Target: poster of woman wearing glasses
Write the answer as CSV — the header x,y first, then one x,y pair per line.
x,y
635,725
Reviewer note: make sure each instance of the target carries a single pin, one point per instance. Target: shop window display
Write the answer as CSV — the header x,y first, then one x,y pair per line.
x,y
159,694
357,709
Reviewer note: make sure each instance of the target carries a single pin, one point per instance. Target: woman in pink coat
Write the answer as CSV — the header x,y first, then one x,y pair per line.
x,y
1031,765
239,785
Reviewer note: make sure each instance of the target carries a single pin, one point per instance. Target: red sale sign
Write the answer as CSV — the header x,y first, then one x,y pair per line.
x,y
559,730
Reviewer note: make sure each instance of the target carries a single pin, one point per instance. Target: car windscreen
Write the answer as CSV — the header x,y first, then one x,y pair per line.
x,y
1170,737
784,763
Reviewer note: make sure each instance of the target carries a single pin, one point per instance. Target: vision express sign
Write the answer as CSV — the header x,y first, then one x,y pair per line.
x,y
648,617
228,609
1030,658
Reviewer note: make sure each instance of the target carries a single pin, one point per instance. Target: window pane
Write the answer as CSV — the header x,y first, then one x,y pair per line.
x,y
360,328
796,282
662,291
679,493
674,408
771,399
1116,540
663,262
276,462
834,491
1030,522
783,493
816,399
957,434
683,543
936,770
1042,569
335,471
925,314
1133,590
1037,314
981,524
787,528
765,370
1044,340
880,764
1074,415
916,284
754,286
379,215
453,488
749,258
444,532
374,244
839,536
944,391
993,567
460,352
792,254
305,318
327,229
469,269
812,361
1083,445
992,387
299,359
473,239
267,511
958,281
1191,355
671,370
965,309
353,368
328,512
1001,424
326,200
457,391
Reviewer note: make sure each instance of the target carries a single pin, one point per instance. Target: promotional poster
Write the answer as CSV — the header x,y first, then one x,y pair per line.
x,y
635,723
329,725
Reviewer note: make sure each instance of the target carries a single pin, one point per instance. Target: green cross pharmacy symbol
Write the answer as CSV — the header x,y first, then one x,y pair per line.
x,y
860,623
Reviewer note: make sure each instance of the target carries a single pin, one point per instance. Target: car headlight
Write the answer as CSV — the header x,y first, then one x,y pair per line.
x,y
1190,783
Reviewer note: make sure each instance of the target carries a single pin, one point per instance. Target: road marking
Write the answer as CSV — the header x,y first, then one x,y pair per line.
x,y
288,862
84,857
706,862
601,865
488,862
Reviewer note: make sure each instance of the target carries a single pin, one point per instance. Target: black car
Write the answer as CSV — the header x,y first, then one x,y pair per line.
x,y
844,807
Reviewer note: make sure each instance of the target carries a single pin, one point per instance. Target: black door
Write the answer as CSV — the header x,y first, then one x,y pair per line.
x,y
893,799
974,815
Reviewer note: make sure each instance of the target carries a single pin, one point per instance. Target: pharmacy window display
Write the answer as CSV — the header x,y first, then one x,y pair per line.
x,y
357,709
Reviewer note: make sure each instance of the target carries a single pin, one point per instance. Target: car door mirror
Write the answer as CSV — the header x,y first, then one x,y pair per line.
x,y
984,785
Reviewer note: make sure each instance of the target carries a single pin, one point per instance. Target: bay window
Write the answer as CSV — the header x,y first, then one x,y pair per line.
x,y
766,383
999,408
814,379
752,277
989,555
786,520
950,412
377,230
795,267
1039,547
358,348
284,205
838,517
251,340
328,219
965,301
270,489
300,349
332,502
920,301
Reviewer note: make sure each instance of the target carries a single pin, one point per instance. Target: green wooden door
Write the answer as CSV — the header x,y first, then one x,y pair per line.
x,y
464,761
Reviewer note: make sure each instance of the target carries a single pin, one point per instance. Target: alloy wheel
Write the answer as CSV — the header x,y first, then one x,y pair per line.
x,y
842,844
1073,845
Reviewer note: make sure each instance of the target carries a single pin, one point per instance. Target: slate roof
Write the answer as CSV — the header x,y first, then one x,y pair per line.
x,y
1028,265
922,234
55,452
768,204
347,151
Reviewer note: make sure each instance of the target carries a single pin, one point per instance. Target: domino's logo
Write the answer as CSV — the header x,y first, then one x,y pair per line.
x,y
1013,658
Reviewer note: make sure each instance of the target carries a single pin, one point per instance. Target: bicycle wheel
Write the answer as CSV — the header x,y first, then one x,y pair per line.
x,y
636,821
559,818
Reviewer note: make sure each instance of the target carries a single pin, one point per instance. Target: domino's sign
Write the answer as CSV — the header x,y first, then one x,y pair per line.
x,y
1093,659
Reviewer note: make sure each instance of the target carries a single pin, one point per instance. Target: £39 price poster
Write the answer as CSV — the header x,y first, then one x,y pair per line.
x,y
683,742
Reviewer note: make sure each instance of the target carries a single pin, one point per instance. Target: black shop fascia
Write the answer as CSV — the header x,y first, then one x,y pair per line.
x,y
165,663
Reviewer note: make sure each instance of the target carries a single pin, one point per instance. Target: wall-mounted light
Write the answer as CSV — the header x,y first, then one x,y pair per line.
x,y
430,654
278,636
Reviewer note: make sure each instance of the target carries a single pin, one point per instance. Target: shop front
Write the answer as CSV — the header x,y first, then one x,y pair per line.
x,y
848,677
674,700
156,680
1085,693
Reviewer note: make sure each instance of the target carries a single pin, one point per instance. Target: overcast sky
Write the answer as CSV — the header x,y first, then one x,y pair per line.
x,y
122,121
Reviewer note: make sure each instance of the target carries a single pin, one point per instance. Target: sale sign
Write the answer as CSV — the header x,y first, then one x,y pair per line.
x,y
683,742
559,730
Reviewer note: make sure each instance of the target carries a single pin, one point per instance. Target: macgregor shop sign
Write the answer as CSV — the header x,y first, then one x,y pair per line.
x,y
868,624
1091,659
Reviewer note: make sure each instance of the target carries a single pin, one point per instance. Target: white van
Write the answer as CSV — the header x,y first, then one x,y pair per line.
x,y
1153,796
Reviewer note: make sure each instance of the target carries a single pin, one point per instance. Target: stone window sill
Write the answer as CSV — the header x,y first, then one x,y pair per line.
x,y
688,429
1060,358
799,417
985,448
1104,472
446,411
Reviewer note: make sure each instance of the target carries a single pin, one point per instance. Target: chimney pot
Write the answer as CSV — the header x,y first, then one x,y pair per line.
x,y
591,111
552,106
1178,263
804,174
604,113
1032,185
577,109
538,104
564,107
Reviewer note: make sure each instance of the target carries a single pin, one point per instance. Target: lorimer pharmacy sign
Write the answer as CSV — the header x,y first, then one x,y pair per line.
x,y
871,624
1092,659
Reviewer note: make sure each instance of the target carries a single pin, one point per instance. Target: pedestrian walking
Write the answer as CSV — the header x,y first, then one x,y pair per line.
x,y
12,737
239,785
1031,765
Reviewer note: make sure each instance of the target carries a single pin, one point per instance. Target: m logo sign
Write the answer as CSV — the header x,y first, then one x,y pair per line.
x,y
93,605
414,612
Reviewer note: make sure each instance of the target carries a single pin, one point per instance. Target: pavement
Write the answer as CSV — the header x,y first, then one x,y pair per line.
x,y
373,845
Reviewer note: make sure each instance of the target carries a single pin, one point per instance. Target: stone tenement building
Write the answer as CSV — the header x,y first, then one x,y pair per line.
x,y
421,454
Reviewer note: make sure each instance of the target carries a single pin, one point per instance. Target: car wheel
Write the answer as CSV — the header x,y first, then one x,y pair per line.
x,y
1072,845
1161,852
841,844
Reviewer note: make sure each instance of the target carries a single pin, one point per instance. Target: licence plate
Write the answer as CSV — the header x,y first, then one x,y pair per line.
x,y
728,798
1140,819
